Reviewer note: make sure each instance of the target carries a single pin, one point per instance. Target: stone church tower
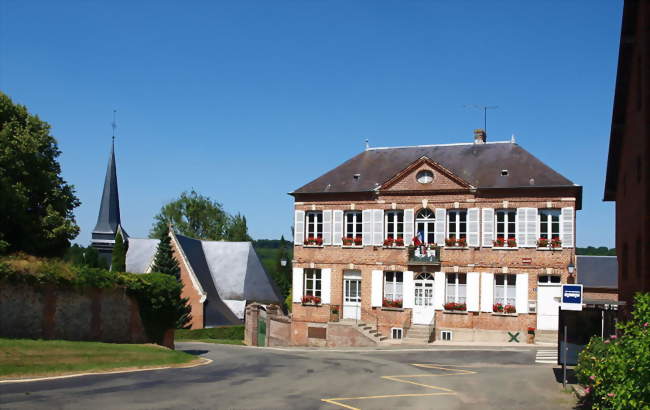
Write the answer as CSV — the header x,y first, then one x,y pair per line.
x,y
108,220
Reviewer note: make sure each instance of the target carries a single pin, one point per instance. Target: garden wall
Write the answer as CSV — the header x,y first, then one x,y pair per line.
x,y
48,312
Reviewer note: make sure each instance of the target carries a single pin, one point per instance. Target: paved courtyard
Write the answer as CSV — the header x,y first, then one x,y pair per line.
x,y
250,378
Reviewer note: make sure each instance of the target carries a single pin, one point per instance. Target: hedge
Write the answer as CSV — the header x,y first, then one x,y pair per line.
x,y
158,295
224,332
616,371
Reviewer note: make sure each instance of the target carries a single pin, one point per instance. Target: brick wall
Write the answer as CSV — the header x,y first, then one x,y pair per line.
x,y
189,290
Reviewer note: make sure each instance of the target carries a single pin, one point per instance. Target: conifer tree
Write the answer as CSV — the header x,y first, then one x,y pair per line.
x,y
118,260
164,262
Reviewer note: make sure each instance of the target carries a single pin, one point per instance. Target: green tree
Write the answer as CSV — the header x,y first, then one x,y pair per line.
x,y
282,275
164,261
36,204
84,256
192,215
238,230
118,259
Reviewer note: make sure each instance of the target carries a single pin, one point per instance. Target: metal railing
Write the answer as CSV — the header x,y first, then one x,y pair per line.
x,y
423,254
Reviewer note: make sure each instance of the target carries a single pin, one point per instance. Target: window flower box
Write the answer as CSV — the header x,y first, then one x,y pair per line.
x,y
542,243
504,243
453,306
312,241
501,308
352,241
456,243
392,303
309,300
394,242
556,243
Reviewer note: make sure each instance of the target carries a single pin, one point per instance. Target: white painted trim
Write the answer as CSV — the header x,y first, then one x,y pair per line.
x,y
195,281
377,288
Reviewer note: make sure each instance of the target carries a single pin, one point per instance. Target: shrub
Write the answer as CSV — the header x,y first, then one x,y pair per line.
x,y
223,332
616,371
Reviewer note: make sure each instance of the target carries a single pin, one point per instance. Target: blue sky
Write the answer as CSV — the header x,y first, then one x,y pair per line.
x,y
246,101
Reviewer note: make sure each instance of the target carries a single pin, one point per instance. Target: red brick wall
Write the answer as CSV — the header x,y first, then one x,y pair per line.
x,y
189,291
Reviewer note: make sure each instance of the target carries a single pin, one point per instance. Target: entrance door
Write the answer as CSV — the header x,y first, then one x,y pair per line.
x,y
548,307
352,295
423,310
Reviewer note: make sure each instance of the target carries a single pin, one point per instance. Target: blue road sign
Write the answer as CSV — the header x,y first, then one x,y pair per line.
x,y
572,297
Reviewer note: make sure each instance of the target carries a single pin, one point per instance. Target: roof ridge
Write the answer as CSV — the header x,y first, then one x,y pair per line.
x,y
440,145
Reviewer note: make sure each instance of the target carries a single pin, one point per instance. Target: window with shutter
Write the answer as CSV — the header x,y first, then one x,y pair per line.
x,y
567,227
337,227
441,217
488,227
473,234
378,227
327,227
299,228
367,218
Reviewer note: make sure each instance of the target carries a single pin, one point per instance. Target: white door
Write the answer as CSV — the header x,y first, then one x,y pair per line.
x,y
352,295
547,306
423,310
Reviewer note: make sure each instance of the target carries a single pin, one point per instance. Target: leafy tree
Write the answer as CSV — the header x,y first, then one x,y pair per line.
x,y
84,256
238,230
283,273
36,204
600,251
118,260
164,261
192,215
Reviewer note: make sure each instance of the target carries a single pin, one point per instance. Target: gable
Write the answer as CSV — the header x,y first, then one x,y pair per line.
x,y
407,179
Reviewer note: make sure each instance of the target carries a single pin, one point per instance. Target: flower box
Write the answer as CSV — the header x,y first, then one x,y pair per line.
x,y
554,243
314,241
456,243
394,242
504,243
310,300
501,308
389,303
453,306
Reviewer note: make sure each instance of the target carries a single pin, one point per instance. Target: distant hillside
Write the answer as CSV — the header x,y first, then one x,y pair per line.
x,y
600,251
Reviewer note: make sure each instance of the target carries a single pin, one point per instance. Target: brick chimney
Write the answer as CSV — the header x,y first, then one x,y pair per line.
x,y
479,136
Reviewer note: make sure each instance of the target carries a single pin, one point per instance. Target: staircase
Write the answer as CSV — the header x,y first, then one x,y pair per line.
x,y
372,333
546,337
418,335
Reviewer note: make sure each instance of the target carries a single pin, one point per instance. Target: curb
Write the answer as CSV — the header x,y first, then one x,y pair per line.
x,y
202,361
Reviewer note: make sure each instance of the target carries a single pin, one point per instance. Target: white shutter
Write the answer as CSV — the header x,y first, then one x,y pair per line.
x,y
327,227
439,291
439,226
408,291
487,292
531,227
337,228
521,227
488,227
299,228
521,293
377,287
296,292
473,285
326,285
409,221
567,235
378,227
366,217
473,234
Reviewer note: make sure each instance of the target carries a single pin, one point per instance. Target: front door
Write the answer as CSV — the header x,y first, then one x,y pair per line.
x,y
548,307
352,295
423,310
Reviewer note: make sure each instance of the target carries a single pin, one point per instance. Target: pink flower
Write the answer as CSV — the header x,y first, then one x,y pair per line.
x,y
611,394
645,324
592,378
587,390
613,337
606,341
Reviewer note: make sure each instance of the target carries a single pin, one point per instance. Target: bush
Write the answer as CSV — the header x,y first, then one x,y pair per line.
x,y
224,332
616,371
158,295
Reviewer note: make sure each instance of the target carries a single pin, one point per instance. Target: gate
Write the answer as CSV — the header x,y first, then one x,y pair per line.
x,y
261,331
581,326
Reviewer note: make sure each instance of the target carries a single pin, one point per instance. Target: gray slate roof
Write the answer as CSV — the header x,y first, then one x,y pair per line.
x,y
478,164
597,271
109,211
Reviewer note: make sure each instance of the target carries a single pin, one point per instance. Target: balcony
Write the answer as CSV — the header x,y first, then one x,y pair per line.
x,y
424,255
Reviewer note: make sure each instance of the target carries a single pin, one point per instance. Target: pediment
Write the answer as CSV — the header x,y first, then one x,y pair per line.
x,y
442,178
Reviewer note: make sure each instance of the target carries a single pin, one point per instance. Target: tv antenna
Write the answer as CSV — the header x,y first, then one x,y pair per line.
x,y
114,124
484,108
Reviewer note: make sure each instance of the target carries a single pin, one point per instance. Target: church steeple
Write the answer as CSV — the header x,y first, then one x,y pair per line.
x,y
108,220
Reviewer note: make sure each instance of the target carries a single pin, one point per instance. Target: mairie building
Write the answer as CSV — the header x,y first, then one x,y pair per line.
x,y
461,242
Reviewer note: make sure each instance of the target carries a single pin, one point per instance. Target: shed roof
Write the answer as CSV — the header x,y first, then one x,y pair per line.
x,y
597,271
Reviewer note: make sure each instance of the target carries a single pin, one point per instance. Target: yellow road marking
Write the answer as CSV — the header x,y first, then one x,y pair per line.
x,y
399,378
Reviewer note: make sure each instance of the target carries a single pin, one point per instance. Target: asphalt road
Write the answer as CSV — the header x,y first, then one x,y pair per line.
x,y
252,378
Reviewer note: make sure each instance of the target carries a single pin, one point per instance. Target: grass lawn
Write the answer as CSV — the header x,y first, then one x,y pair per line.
x,y
230,335
217,341
26,357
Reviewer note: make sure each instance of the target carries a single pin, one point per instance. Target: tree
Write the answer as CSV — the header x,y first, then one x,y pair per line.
x,y
238,230
192,215
164,261
84,256
36,204
282,273
118,260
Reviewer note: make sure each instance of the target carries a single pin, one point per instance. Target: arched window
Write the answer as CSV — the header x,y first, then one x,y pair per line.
x,y
424,225
424,276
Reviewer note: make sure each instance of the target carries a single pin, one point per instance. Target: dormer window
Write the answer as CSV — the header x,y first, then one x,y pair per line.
x,y
424,177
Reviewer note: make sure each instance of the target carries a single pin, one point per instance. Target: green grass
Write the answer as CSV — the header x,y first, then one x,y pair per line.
x,y
216,341
26,357
234,333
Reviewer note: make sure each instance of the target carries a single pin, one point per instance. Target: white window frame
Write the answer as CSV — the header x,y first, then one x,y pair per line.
x,y
446,335
429,225
314,226
455,298
507,222
505,285
423,289
546,216
357,224
457,233
392,217
394,294
395,331
316,277
547,280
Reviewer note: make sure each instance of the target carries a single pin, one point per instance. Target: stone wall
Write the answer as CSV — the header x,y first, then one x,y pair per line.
x,y
106,315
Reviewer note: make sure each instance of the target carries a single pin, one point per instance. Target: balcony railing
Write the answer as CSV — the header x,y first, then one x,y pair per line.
x,y
424,255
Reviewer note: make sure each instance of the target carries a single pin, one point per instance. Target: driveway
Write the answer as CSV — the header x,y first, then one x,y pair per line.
x,y
253,378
